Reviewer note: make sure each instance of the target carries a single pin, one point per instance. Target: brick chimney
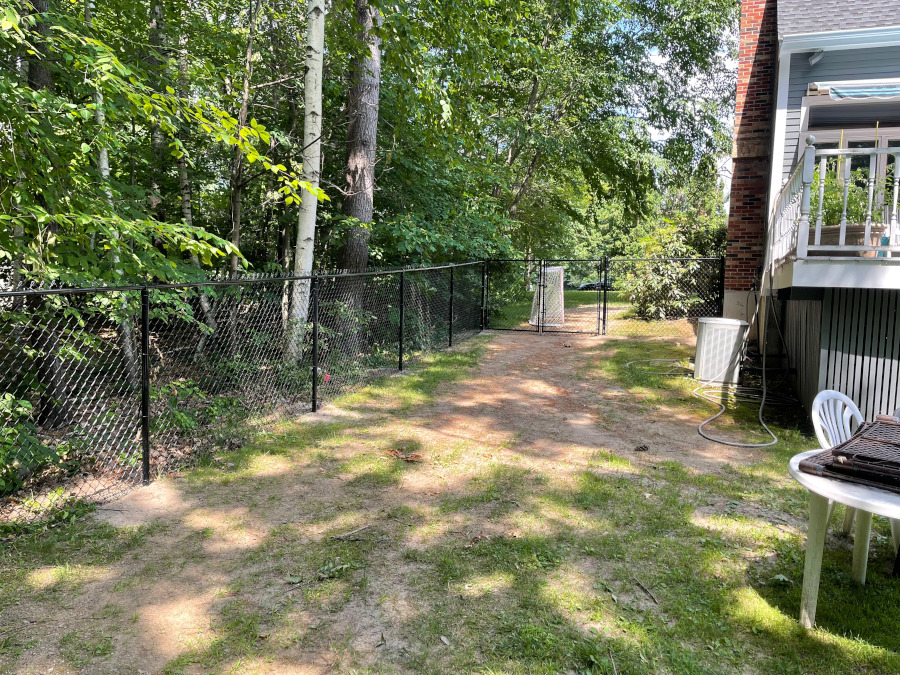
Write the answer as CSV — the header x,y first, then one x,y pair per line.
x,y
752,150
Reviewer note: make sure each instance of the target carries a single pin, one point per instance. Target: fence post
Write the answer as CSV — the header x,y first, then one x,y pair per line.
x,y
484,273
721,304
605,291
145,385
599,297
402,316
450,343
315,348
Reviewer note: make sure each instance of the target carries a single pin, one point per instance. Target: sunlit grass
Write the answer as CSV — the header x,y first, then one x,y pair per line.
x,y
497,563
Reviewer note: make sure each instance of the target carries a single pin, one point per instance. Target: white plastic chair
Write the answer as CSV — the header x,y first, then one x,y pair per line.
x,y
835,417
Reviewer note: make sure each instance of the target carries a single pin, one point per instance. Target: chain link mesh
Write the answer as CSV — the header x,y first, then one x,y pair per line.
x,y
661,297
69,400
511,289
225,360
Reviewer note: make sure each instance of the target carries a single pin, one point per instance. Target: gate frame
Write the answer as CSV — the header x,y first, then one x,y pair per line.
x,y
603,265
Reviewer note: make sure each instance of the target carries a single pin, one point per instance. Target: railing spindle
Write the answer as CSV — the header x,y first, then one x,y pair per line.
x,y
868,236
823,170
844,181
892,235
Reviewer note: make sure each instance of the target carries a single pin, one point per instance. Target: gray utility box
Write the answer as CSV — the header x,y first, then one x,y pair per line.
x,y
720,345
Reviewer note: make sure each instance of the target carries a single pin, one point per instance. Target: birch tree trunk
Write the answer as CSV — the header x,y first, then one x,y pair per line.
x,y
312,157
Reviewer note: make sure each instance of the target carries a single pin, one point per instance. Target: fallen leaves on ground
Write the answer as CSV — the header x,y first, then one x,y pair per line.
x,y
406,456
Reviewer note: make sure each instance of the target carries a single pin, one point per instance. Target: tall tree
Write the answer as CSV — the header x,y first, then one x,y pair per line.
x,y
157,62
312,157
236,179
126,334
362,137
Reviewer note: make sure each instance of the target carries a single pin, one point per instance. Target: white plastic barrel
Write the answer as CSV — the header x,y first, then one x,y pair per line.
x,y
719,349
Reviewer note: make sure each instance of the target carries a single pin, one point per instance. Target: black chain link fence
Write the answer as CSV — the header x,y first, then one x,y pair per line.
x,y
101,389
662,296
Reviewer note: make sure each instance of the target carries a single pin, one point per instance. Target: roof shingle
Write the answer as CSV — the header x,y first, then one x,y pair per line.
x,y
818,16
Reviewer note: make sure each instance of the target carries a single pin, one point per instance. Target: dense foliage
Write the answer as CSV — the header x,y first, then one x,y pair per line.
x,y
149,139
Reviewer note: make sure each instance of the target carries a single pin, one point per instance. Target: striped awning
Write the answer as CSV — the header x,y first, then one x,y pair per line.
x,y
856,89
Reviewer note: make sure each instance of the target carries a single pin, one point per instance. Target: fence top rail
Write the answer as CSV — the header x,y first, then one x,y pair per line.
x,y
395,271
221,282
536,261
717,258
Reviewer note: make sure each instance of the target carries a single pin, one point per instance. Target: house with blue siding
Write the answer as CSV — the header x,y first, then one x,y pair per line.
x,y
813,234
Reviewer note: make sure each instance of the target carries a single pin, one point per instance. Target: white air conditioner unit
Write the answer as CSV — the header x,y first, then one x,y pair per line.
x,y
720,344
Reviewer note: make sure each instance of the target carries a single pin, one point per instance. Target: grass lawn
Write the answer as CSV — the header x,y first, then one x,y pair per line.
x,y
485,512
516,314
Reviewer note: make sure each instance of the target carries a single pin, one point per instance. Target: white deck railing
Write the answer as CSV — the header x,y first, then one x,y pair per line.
x,y
829,209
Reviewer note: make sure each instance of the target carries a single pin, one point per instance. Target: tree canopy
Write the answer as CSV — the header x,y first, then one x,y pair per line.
x,y
157,140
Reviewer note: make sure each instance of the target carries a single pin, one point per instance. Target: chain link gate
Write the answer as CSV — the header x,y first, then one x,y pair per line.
x,y
607,296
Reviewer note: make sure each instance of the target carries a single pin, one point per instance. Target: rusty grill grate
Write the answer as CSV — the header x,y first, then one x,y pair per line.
x,y
885,432
871,457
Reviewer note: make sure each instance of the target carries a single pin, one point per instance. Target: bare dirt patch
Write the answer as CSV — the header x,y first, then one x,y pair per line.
x,y
248,568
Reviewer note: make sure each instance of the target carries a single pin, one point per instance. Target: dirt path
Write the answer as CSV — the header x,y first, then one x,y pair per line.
x,y
245,568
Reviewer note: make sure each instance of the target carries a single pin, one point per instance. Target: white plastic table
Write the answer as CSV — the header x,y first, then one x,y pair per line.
x,y
822,491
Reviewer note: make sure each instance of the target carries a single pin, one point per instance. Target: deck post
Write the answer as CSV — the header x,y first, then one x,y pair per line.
x,y
892,234
809,168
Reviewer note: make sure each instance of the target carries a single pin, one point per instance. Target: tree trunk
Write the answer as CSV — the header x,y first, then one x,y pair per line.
x,y
359,193
157,39
526,183
187,206
284,259
237,165
39,76
312,133
362,135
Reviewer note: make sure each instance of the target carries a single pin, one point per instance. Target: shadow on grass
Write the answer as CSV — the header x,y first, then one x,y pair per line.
x,y
620,569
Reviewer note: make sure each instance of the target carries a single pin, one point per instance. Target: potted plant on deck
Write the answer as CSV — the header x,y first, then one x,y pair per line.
x,y
832,197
